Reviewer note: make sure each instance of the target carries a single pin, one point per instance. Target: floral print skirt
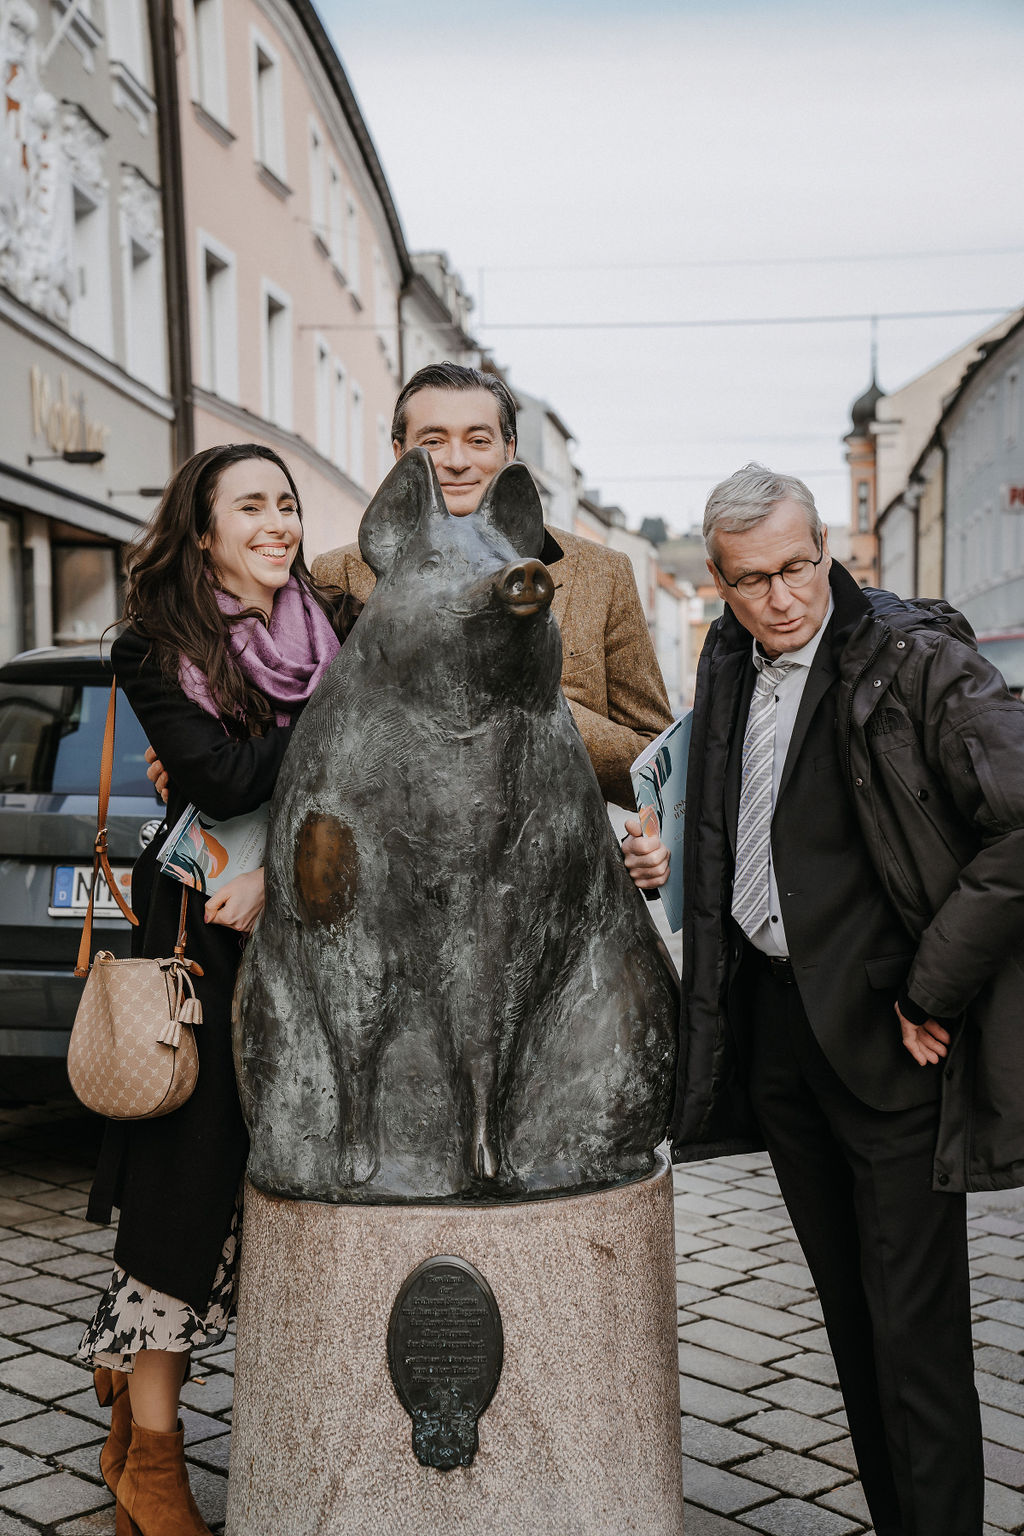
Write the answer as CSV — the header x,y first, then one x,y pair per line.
x,y
132,1316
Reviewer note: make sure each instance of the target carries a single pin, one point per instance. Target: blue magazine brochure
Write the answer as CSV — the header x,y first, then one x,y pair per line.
x,y
206,854
659,785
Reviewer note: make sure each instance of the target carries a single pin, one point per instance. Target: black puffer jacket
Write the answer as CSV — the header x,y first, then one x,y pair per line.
x,y
931,746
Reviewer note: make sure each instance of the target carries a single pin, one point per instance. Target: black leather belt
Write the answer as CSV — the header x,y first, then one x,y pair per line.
x,y
777,966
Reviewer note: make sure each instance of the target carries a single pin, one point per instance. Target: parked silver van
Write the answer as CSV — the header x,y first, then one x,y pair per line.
x,y
53,708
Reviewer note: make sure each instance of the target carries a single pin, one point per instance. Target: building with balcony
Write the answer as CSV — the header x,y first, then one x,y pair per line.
x,y
544,443
435,316
88,425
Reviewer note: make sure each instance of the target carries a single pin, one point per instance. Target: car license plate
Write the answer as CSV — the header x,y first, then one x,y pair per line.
x,y
69,894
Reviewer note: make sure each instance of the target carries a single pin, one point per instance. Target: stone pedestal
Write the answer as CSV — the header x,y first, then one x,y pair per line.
x,y
582,1435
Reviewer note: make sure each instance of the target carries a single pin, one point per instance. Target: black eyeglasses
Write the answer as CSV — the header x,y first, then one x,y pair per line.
x,y
795,573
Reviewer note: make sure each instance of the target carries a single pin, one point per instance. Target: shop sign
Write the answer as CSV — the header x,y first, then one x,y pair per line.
x,y
61,419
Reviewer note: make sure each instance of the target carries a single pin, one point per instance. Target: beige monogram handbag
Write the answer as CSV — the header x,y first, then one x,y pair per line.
x,y
132,1054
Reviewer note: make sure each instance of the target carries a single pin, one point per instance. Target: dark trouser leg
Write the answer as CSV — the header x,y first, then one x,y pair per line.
x,y
889,1259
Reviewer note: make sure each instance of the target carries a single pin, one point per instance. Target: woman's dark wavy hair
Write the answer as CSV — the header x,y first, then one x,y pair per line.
x,y
171,589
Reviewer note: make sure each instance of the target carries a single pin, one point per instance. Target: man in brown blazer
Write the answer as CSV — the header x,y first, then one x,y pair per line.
x,y
610,676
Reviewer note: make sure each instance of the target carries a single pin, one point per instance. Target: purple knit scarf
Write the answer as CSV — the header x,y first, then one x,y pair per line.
x,y
285,661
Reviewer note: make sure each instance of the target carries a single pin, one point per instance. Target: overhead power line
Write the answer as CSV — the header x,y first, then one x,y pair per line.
x,y
674,325
674,479
723,322
737,437
753,261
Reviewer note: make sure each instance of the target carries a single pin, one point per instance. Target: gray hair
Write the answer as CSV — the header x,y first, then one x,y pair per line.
x,y
746,499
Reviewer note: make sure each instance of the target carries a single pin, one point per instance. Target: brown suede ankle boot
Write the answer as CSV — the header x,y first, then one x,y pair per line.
x,y
112,1391
153,1495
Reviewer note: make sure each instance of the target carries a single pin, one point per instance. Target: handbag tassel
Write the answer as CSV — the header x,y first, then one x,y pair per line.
x,y
187,1009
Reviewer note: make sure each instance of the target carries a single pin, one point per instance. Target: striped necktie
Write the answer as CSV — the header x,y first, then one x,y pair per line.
x,y
750,894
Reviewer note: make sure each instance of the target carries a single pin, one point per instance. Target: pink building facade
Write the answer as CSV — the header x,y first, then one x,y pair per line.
x,y
295,256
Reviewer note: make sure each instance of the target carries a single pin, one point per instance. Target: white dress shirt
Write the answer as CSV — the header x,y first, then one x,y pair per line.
x,y
771,936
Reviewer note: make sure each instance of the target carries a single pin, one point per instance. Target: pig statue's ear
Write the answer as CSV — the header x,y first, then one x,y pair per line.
x,y
403,501
512,505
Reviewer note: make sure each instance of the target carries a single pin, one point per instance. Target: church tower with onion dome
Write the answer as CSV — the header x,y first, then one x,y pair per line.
x,y
861,456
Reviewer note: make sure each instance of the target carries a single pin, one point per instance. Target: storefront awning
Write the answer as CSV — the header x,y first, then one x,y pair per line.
x,y
31,494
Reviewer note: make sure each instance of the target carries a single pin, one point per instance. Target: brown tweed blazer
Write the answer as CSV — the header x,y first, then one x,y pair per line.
x,y
610,674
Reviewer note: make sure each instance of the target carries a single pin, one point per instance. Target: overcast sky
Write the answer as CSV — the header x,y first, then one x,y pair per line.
x,y
706,159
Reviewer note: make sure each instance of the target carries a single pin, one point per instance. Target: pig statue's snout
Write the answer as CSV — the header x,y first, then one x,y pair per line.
x,y
525,587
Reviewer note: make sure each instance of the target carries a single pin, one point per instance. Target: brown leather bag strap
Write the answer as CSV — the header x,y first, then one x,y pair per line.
x,y
179,948
99,854
106,777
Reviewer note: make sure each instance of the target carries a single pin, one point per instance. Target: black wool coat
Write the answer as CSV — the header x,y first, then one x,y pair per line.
x,y
929,748
174,1179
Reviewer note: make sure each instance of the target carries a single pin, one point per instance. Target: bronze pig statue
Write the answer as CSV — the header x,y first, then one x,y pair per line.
x,y
455,992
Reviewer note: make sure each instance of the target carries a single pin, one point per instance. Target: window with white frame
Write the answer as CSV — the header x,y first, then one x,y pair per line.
x,y
339,447
83,34
317,188
142,278
356,461
219,320
384,311
144,312
126,36
352,244
335,216
267,106
90,309
1012,407
378,290
385,456
954,461
324,385
277,356
992,435
209,81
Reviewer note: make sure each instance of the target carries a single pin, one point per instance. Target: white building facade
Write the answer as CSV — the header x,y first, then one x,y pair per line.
x,y
435,316
983,433
88,424
544,445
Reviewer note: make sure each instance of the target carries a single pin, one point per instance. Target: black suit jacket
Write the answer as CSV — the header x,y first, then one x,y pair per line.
x,y
849,949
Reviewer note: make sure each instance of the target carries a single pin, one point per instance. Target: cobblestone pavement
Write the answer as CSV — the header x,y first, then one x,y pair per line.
x,y
763,1430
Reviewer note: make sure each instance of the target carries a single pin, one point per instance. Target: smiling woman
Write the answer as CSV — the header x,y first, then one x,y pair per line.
x,y
227,636
256,531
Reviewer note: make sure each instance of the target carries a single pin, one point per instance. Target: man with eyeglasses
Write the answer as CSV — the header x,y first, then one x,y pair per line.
x,y
853,960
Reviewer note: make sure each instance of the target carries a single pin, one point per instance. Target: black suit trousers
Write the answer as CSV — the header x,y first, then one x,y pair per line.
x,y
888,1256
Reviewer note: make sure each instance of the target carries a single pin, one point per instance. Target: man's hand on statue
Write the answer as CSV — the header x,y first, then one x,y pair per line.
x,y
156,773
646,858
238,903
927,1042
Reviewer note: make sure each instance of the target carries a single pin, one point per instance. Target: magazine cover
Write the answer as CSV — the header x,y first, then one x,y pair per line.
x,y
659,785
206,854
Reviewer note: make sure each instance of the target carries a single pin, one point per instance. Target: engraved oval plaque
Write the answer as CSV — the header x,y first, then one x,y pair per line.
x,y
445,1350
